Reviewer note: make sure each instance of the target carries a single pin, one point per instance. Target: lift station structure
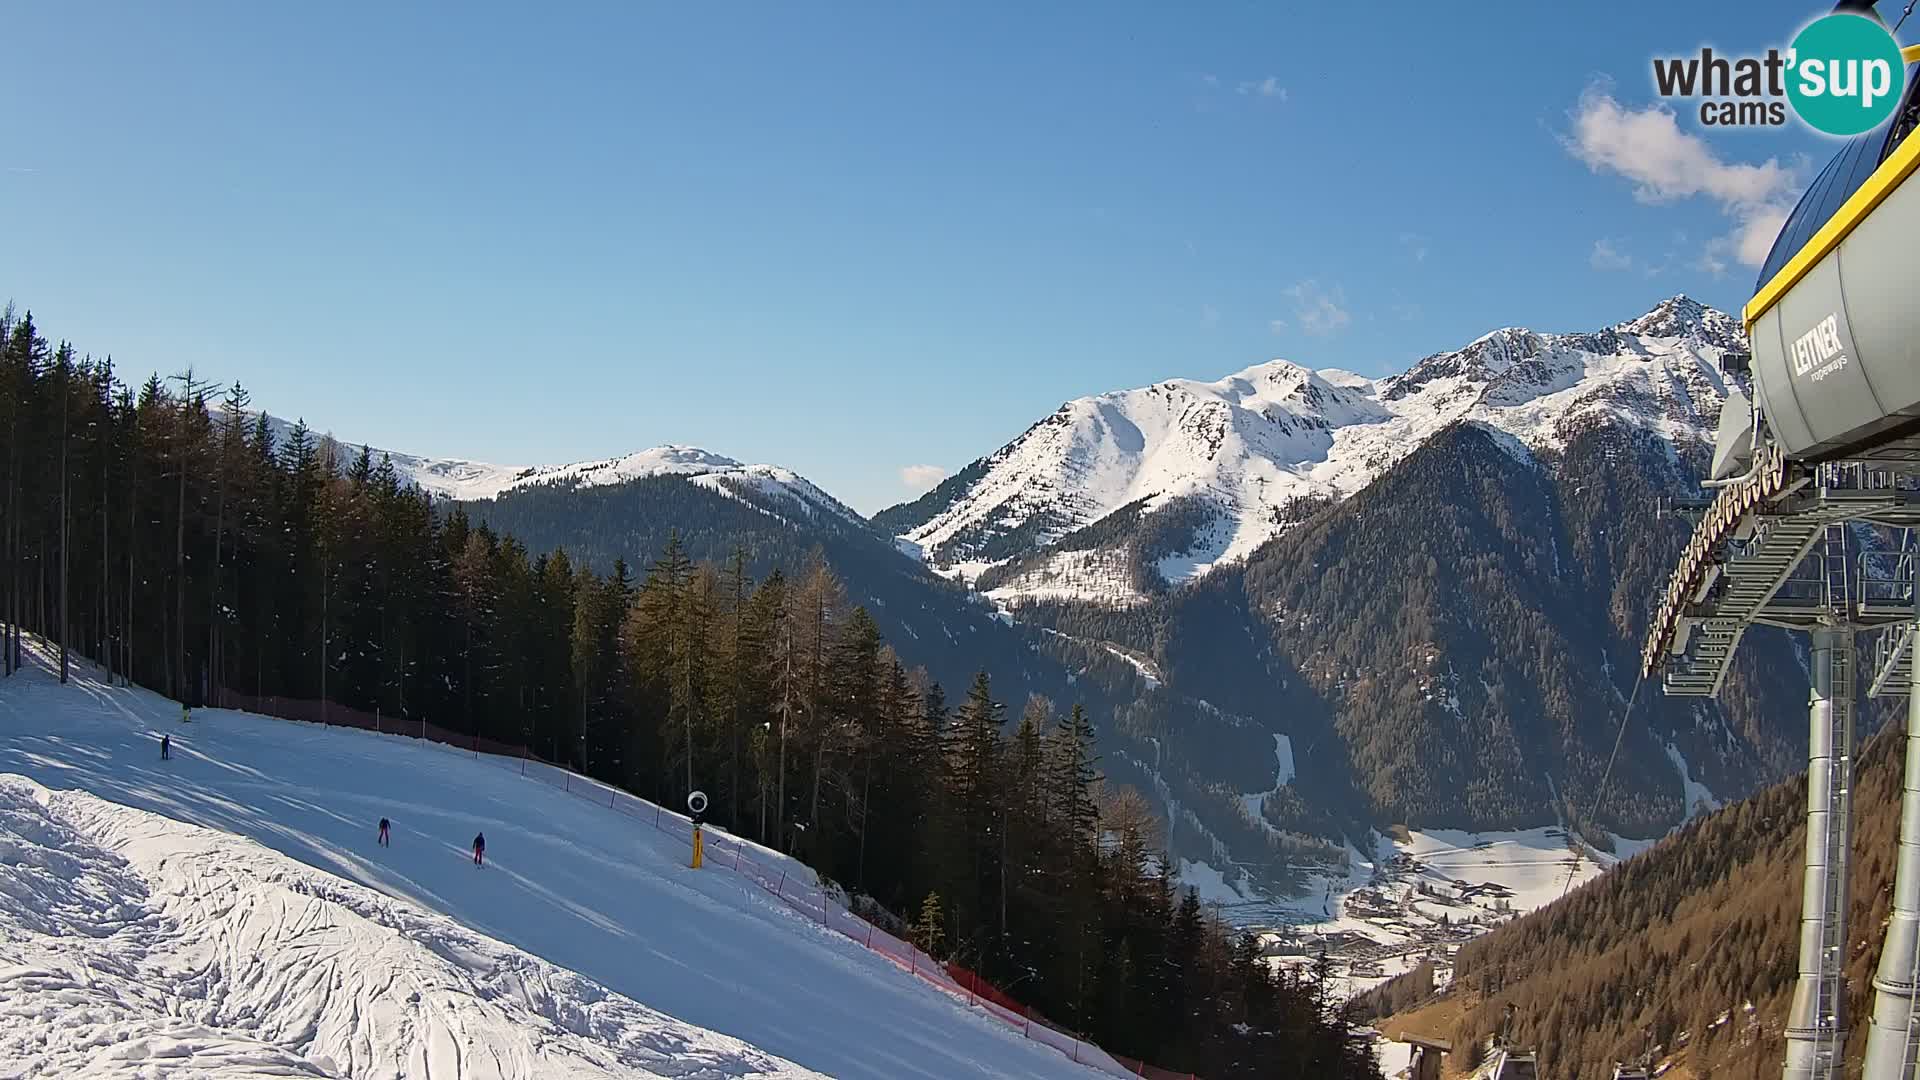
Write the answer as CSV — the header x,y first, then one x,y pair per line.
x,y
1814,526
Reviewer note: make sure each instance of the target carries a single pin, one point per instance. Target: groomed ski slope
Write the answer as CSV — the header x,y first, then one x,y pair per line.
x,y
133,945
571,882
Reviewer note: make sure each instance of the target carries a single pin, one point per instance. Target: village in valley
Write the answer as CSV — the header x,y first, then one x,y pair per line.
x,y
1422,896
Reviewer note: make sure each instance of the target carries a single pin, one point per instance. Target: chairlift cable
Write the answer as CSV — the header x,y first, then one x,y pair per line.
x,y
1619,737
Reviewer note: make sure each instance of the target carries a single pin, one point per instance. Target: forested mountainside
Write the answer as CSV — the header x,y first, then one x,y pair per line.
x,y
183,547
1450,645
1694,941
1470,625
1459,640
1194,758
1447,615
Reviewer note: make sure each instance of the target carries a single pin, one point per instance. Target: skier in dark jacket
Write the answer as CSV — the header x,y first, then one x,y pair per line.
x,y
166,747
385,841
479,848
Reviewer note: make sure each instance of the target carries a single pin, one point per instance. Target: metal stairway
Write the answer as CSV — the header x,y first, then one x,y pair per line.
x,y
1750,573
1893,662
1892,595
1749,576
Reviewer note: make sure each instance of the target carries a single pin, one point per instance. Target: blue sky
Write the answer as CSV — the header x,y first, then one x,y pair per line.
x,y
848,238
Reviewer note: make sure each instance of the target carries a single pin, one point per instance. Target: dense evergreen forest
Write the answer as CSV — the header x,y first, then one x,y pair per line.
x,y
164,533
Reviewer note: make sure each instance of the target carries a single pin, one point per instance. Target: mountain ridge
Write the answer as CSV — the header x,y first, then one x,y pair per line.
x,y
1236,455
1588,426
467,480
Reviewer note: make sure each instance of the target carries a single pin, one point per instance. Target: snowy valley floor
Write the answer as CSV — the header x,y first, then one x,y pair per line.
x,y
134,944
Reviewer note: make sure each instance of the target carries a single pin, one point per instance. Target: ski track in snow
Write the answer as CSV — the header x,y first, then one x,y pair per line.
x,y
582,924
134,945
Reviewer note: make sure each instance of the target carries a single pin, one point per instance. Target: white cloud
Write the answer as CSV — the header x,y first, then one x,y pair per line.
x,y
1665,164
1277,325
922,477
1268,87
1317,310
1606,257
1747,244
1755,236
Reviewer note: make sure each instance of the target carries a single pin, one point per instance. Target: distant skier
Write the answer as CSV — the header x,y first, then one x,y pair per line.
x,y
186,713
385,840
166,748
479,849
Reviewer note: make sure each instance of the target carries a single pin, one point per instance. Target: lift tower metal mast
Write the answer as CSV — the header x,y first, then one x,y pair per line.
x,y
1817,1023
1781,549
1783,553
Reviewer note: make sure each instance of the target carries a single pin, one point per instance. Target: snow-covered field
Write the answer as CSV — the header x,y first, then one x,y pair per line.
x,y
1534,864
297,946
1408,899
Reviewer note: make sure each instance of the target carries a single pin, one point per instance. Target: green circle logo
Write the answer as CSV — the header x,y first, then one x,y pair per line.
x,y
1846,76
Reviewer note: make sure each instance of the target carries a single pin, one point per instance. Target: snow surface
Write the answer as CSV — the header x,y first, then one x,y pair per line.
x,y
1256,441
1211,884
1145,669
135,945
1283,757
1625,847
1533,863
1256,803
1395,1058
1699,800
606,902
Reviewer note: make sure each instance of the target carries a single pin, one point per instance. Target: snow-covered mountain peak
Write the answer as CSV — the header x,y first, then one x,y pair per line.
x,y
1237,458
670,460
458,478
1484,358
1681,316
1272,373
1349,379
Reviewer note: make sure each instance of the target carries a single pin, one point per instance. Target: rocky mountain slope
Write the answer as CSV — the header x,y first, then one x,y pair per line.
x,y
1118,496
